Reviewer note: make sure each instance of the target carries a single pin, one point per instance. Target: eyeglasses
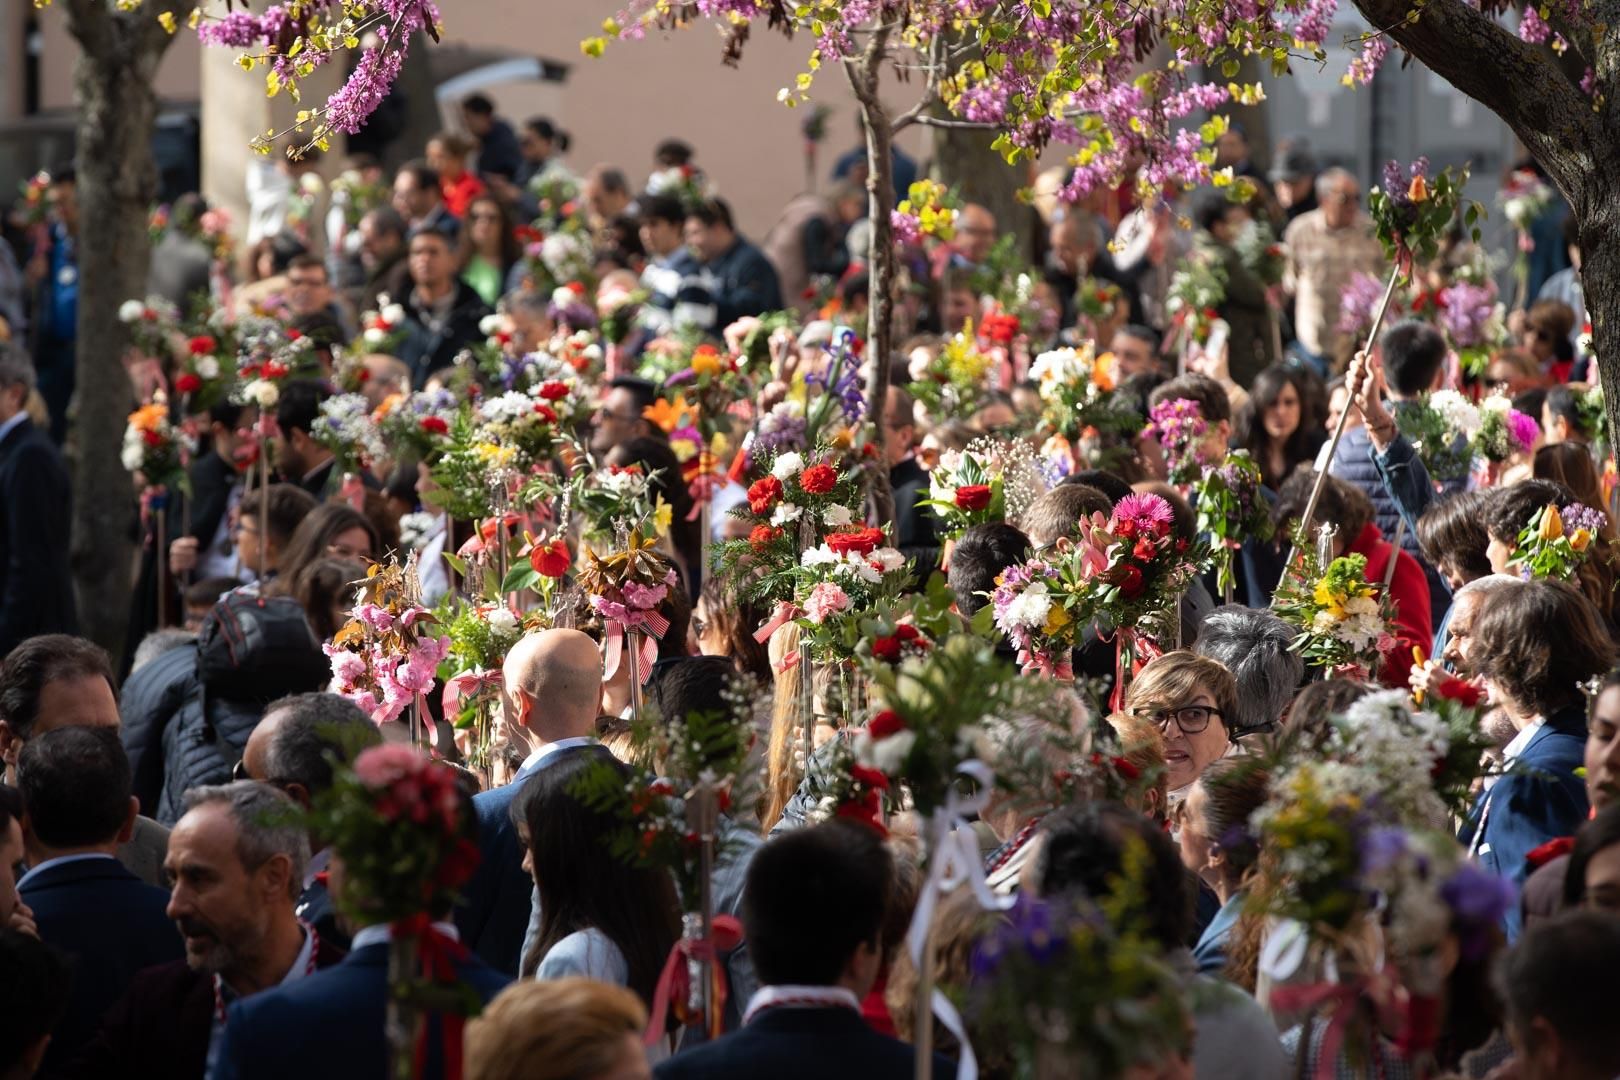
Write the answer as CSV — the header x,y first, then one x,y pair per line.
x,y
1191,719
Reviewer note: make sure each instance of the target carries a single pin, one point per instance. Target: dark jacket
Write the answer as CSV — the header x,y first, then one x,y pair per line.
x,y
160,1029
1540,799
427,350
36,513
332,1025
494,916
498,151
801,1044
1247,311
746,283
916,530
111,925
391,278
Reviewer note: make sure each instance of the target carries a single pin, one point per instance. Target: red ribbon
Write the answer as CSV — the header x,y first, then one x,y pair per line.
x,y
674,983
353,492
1141,650
1420,1025
438,952
785,613
1344,998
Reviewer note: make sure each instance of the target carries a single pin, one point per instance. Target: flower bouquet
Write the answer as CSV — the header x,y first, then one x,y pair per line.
x,y
1341,619
790,509
525,424
1524,198
202,381
1358,304
845,576
481,634
1196,292
387,655
1557,542
951,381
616,310
1427,760
1043,605
1503,430
269,354
417,425
154,324
1474,322
625,589
1262,254
1146,569
381,330
33,203
1064,991
1077,389
155,448
1097,301
1412,211
1180,427
1231,509
965,491
407,837
1441,426
345,427
606,496
928,211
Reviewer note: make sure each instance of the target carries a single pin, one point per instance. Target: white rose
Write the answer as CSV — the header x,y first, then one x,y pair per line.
x,y
502,621
131,311
836,515
788,466
489,324
393,314
562,296
375,336
131,456
207,367
785,513
262,392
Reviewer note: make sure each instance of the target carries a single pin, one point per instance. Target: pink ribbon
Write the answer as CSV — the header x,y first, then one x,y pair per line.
x,y
1344,996
353,492
1041,663
674,982
654,626
467,684
787,663
785,613
1140,650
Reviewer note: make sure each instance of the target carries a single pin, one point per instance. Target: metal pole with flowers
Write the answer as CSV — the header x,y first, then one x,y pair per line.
x,y
155,451
406,839
1411,213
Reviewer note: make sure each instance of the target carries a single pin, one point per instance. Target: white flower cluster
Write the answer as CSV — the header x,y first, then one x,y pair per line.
x,y
1061,366
1459,414
866,568
565,256
1361,626
346,419
416,529
261,392
1388,738
624,484
1029,609
386,322
508,408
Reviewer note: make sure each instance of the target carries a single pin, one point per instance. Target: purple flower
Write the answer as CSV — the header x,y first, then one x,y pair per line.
x,y
1467,308
1577,516
1478,900
1358,301
1524,429
1380,847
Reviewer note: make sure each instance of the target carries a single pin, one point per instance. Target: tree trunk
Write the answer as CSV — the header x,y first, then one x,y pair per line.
x,y
964,160
117,183
863,76
1600,283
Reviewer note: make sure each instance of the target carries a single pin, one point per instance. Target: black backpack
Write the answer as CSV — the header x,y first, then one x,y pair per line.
x,y
259,648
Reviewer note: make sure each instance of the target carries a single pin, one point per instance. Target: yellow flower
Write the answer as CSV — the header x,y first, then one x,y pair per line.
x,y
496,456
1419,191
705,362
685,449
663,516
1103,372
1579,540
1552,525
1056,619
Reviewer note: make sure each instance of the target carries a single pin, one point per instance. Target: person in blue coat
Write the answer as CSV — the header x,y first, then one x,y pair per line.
x,y
553,687
1537,643
36,503
75,784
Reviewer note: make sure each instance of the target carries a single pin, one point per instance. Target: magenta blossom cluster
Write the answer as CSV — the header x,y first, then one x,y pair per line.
x,y
1179,425
382,683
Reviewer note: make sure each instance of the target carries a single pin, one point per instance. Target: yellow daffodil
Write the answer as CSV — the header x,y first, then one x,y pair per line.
x,y
1056,619
663,516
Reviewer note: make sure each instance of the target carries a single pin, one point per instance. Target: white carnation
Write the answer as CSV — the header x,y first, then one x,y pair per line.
x,y
836,515
262,392
502,621
785,512
131,311
787,466
489,325
1030,607
208,367
393,314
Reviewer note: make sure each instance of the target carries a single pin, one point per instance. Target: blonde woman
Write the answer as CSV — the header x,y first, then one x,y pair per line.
x,y
784,764
562,1029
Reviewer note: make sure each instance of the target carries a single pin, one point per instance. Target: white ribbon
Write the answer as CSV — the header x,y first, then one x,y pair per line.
x,y
953,859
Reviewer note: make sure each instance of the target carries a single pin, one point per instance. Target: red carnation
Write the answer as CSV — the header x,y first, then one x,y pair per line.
x,y
868,777
859,542
551,560
435,425
973,497
1461,691
202,345
1145,550
1125,528
906,632
188,382
763,537
763,493
545,412
884,724
886,649
273,369
818,479
577,288
294,335
1130,584
152,439
553,391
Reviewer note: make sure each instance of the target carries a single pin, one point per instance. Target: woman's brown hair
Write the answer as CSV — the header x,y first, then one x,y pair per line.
x,y
1540,643
1169,681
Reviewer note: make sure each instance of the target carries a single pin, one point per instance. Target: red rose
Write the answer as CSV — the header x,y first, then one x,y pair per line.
x,y
202,345
435,425
868,777
577,288
545,412
1145,550
1461,691
858,542
152,439
818,479
868,450
294,335
866,809
973,497
188,383
1130,583
906,632
884,724
551,560
763,537
763,493
274,369
886,649
1125,529
553,391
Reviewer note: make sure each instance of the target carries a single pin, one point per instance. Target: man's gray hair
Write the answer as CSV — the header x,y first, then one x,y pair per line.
x,y
1485,586
15,367
1332,177
317,730
267,825
157,643
531,302
1254,646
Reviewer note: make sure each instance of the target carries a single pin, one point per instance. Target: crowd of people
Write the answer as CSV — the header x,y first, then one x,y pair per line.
x,y
340,407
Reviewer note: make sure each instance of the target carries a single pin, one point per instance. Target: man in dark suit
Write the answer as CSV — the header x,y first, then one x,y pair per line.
x,y
36,512
236,857
915,527
300,459
295,748
553,690
813,914
75,785
333,1023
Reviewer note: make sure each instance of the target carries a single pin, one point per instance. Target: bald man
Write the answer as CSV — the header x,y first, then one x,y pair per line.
x,y
551,691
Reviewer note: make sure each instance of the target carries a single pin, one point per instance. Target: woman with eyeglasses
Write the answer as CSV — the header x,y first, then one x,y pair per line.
x,y
1189,697
489,248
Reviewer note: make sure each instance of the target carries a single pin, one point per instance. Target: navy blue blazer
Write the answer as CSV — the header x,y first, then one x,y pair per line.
x,y
801,1044
331,1024
494,915
1539,800
36,510
111,924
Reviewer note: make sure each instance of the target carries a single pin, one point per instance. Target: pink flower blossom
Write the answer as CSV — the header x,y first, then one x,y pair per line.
x,y
644,597
825,601
385,765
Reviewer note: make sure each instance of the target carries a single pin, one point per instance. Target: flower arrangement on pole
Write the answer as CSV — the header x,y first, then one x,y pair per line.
x,y
156,449
1503,431
1077,391
1441,426
625,588
346,428
1180,427
1231,509
386,657
1343,622
951,381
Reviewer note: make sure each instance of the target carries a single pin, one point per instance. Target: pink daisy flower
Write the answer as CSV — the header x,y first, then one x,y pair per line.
x,y
1148,513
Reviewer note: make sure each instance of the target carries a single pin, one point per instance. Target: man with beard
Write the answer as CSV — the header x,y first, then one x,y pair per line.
x,y
237,859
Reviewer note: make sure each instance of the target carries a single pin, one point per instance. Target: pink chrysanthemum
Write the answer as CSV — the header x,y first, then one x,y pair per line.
x,y
1149,513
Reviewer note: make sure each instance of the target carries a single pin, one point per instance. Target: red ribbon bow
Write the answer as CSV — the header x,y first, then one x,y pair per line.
x,y
468,683
439,953
674,983
1133,650
1043,663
